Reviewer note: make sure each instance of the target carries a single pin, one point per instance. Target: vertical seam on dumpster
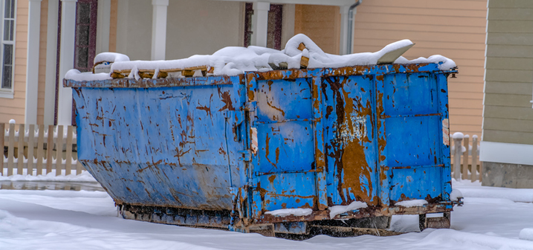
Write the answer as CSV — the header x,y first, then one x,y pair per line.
x,y
227,149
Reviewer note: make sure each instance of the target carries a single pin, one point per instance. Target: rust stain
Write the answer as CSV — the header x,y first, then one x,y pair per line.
x,y
349,156
221,151
316,98
329,109
267,151
271,179
205,108
270,82
249,80
226,98
277,155
276,108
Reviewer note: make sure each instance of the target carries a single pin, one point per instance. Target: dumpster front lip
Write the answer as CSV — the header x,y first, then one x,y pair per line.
x,y
151,83
268,75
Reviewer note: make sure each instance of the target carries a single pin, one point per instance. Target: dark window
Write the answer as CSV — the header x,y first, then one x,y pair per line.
x,y
7,47
85,35
7,66
274,25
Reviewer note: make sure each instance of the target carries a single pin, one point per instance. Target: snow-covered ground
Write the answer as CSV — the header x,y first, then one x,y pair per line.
x,y
492,218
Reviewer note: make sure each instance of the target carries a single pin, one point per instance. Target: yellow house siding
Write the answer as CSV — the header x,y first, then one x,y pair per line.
x,y
321,24
455,29
14,108
508,116
42,61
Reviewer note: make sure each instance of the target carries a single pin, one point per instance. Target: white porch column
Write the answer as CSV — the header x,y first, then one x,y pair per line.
x,y
344,30
102,26
32,63
51,60
66,60
260,23
159,29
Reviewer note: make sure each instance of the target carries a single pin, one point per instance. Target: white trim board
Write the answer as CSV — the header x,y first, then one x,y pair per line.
x,y
506,153
51,60
6,94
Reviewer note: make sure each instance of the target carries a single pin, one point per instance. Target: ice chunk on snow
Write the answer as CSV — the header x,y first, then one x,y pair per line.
x,y
76,75
456,194
526,234
333,211
110,57
291,211
412,203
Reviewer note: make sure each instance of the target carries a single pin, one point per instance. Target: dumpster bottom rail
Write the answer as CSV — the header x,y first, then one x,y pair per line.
x,y
351,224
177,216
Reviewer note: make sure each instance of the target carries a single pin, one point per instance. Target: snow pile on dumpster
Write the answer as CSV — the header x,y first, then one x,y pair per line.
x,y
300,52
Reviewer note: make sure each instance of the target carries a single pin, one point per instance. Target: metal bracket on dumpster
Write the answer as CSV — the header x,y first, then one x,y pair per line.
x,y
246,155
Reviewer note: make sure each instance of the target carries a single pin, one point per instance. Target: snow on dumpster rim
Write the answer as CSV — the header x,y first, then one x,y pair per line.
x,y
234,60
335,210
291,211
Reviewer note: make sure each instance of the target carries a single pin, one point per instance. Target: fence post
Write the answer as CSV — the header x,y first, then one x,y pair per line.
x,y
474,176
49,148
68,164
2,134
20,162
79,166
40,150
466,144
480,171
457,139
59,150
11,149
31,135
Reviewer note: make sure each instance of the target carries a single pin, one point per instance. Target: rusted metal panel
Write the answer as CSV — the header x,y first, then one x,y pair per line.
x,y
412,111
187,151
351,144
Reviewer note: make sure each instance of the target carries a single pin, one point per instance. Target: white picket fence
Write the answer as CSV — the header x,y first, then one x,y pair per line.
x,y
38,150
465,158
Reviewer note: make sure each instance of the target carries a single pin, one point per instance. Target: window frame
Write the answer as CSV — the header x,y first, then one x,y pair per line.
x,y
8,92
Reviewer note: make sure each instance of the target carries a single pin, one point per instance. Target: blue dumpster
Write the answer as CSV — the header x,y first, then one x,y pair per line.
x,y
282,151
